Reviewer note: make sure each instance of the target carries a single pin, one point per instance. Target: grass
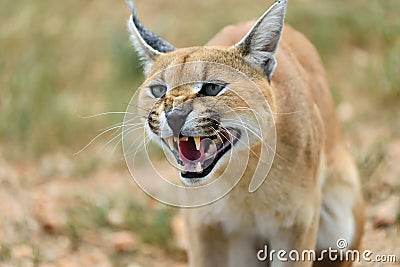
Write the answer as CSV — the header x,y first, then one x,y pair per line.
x,y
152,225
5,252
72,59
88,220
362,35
55,71
64,60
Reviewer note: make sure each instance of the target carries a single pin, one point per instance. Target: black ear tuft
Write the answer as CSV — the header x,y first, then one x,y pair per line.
x,y
152,39
148,45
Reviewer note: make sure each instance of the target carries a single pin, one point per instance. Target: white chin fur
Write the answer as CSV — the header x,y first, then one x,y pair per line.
x,y
195,181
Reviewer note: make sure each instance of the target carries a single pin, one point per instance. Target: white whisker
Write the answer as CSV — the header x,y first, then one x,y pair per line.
x,y
106,113
263,141
97,137
139,145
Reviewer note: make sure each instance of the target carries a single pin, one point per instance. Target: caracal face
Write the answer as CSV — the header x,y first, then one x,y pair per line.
x,y
201,109
201,102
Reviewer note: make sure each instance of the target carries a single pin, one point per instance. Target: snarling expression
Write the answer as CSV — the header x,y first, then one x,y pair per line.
x,y
194,111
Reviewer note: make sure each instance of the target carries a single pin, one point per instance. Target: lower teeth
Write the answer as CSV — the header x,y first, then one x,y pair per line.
x,y
199,168
211,150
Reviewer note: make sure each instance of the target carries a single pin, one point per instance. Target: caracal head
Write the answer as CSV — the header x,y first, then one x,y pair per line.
x,y
201,102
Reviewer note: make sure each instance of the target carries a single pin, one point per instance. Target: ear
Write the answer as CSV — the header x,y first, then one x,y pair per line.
x,y
148,45
259,46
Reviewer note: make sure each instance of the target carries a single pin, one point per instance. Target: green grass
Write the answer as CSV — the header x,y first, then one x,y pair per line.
x,y
5,252
152,225
340,29
64,60
56,68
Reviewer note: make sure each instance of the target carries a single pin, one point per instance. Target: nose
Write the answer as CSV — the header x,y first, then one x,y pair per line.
x,y
176,119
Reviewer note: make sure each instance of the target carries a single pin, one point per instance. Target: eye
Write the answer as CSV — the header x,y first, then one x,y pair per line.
x,y
211,89
158,91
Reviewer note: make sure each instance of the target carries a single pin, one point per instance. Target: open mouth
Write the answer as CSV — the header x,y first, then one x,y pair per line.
x,y
198,155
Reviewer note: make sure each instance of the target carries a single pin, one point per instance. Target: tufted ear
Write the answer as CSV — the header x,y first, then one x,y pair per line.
x,y
259,45
148,45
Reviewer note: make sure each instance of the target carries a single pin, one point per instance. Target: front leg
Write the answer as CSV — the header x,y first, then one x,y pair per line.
x,y
207,245
294,240
242,251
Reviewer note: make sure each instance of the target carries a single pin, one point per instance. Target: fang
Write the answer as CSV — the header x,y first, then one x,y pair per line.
x,y
197,142
199,169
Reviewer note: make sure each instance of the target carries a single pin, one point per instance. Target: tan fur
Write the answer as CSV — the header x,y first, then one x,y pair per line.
x,y
311,175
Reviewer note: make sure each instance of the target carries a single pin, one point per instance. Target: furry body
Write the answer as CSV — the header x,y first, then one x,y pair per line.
x,y
312,195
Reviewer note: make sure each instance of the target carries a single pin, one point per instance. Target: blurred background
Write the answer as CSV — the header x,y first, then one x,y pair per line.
x,y
63,64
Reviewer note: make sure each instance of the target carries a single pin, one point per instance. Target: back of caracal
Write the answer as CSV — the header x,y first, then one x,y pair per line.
x,y
311,197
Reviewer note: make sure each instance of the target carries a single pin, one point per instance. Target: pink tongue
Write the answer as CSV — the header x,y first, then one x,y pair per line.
x,y
188,150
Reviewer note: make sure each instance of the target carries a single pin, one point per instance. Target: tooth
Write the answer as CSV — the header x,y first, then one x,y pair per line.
x,y
197,142
199,168
184,139
212,149
170,141
176,139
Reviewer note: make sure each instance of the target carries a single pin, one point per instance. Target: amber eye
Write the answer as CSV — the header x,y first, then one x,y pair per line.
x,y
211,89
158,91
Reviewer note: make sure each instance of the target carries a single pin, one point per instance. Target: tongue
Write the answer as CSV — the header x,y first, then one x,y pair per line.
x,y
188,151
191,157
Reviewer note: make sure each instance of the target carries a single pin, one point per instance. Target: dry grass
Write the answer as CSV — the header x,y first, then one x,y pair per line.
x,y
63,60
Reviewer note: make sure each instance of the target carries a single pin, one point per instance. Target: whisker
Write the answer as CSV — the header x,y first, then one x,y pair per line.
x,y
232,110
111,140
242,142
254,111
136,106
121,125
246,126
263,141
218,136
97,137
107,113
115,146
144,142
287,113
144,145
129,131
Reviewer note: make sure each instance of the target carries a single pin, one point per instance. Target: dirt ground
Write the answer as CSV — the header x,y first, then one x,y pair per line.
x,y
53,215
67,59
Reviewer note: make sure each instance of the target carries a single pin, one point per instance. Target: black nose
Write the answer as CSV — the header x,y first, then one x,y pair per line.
x,y
176,119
